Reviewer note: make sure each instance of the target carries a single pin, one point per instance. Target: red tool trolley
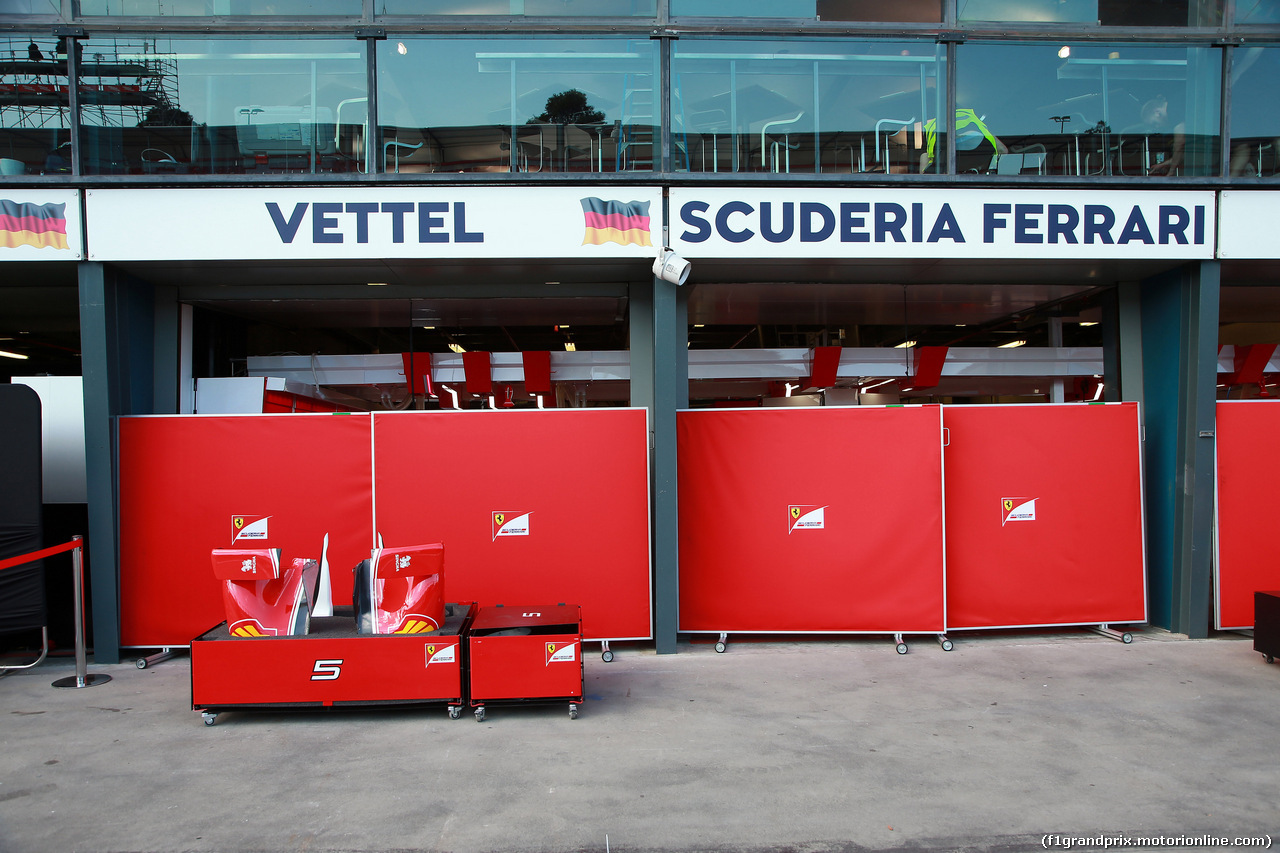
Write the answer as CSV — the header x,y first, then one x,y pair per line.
x,y
526,654
330,666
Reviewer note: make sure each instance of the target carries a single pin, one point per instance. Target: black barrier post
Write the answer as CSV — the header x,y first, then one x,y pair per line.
x,y
81,678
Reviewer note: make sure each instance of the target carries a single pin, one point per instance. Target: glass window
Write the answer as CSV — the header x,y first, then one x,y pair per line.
x,y
807,106
30,7
1108,13
34,115
1257,11
903,11
1255,124
524,8
1093,109
517,105
155,106
207,8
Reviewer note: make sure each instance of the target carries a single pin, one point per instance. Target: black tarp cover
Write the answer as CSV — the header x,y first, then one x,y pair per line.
x,y
22,601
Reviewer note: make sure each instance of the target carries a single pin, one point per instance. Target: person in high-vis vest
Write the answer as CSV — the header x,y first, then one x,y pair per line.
x,y
965,118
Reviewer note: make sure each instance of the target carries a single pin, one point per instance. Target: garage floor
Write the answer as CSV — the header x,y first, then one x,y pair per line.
x,y
809,746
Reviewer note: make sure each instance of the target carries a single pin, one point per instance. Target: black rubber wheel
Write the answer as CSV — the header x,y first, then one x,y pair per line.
x,y
1269,658
1126,638
141,663
455,712
479,715
606,656
947,645
720,647
902,648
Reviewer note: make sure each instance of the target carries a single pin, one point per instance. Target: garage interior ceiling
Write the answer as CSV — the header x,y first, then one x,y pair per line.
x,y
512,305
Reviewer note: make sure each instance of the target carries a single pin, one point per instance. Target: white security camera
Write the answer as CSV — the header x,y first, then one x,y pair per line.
x,y
669,266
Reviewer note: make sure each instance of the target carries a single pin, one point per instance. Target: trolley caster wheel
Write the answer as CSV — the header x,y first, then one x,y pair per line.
x,y
1126,638
606,656
902,648
573,712
209,719
479,715
454,712
947,645
1269,658
140,663
720,647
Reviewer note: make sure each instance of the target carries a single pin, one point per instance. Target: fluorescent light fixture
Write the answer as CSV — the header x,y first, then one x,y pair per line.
x,y
1013,344
1064,51
864,389
18,355
458,348
428,328
570,346
699,325
377,284
905,345
1088,322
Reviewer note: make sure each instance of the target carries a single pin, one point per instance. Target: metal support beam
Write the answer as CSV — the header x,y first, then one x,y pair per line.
x,y
670,392
1179,327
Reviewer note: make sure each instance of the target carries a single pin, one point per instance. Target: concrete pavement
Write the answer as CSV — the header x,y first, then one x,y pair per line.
x,y
813,746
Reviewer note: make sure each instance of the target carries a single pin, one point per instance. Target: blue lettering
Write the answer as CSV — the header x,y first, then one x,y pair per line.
x,y
362,211
1024,222
702,228
850,223
946,226
766,222
917,222
397,209
321,222
990,222
808,210
287,228
1173,224
1199,228
1098,222
890,218
460,233
722,222
1063,221
1136,228
431,217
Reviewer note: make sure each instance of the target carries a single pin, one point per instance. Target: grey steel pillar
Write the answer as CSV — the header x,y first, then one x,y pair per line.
x,y
1179,322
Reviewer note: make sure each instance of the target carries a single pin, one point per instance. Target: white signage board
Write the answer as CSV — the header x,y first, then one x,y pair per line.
x,y
40,225
749,222
373,222
1248,222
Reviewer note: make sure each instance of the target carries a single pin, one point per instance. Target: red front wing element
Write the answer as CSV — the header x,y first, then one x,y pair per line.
x,y
260,599
401,590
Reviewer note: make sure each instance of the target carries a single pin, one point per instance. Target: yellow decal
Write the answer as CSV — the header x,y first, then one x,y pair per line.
x,y
498,518
795,512
1008,505
551,648
431,650
238,521
247,631
415,626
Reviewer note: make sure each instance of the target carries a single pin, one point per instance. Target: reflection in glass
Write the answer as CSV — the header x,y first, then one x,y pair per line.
x,y
206,8
30,7
904,11
517,105
805,107
226,106
34,115
1095,109
1108,13
1257,11
1255,124
522,8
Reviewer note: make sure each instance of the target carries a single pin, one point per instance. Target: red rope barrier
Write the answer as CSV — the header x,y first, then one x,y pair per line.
x,y
36,555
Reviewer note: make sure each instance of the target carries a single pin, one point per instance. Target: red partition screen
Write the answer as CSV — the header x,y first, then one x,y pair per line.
x,y
548,506
811,520
1248,505
189,484
1044,515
